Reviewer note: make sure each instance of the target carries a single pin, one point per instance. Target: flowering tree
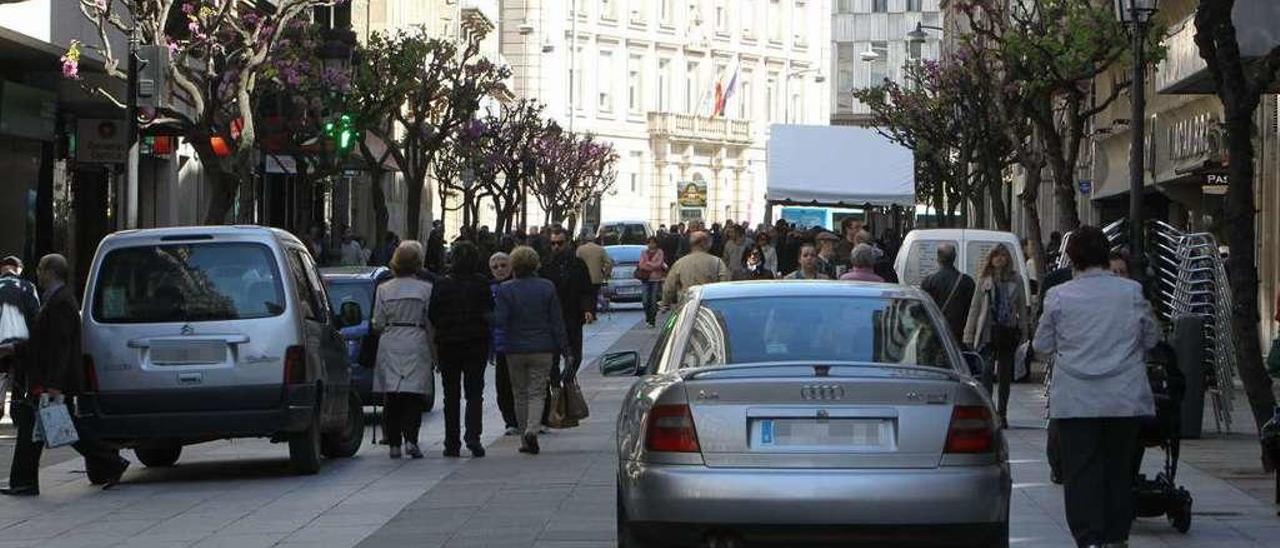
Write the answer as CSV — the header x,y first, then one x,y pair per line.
x,y
572,169
945,117
220,54
414,93
514,131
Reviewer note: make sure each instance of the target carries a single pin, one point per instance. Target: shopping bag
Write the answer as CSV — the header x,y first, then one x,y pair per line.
x,y
53,422
575,405
555,414
1022,362
1273,358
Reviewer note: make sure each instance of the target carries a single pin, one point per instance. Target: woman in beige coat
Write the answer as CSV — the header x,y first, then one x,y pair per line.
x,y
998,321
405,351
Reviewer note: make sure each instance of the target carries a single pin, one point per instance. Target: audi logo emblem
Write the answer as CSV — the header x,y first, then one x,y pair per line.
x,y
822,392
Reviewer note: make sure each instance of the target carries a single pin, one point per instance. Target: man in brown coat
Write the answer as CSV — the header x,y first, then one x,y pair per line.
x,y
51,363
697,268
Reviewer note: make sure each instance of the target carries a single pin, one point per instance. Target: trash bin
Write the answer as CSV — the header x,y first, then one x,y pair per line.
x,y
1188,346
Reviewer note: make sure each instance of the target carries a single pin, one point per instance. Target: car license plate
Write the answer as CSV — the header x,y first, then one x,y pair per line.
x,y
628,290
188,354
867,434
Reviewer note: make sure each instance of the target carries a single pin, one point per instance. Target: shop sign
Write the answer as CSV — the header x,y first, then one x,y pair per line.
x,y
1196,137
101,141
1216,183
1086,187
692,193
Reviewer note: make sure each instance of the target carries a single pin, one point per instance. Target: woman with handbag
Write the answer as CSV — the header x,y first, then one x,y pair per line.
x,y
652,271
997,322
406,348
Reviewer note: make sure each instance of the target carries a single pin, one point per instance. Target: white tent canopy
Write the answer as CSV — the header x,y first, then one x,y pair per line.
x,y
838,166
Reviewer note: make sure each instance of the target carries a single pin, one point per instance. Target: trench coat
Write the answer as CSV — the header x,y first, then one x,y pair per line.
x,y
406,354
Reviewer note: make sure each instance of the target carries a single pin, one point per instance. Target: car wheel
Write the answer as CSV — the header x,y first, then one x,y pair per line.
x,y
159,455
304,447
346,442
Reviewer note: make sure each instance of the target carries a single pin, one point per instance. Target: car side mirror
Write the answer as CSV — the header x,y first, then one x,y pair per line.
x,y
350,314
620,364
977,364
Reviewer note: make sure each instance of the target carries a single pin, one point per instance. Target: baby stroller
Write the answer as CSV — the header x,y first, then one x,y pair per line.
x,y
1161,495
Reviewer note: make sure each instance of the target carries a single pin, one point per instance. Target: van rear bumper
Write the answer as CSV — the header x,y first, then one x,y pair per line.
x,y
293,414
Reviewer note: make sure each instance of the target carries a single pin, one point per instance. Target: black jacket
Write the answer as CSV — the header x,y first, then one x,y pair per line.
x,y
573,286
22,295
460,309
51,357
938,285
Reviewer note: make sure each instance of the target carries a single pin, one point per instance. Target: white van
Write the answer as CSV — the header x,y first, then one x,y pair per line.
x,y
918,256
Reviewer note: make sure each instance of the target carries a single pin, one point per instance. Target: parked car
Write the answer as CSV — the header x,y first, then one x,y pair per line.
x,y
624,233
623,286
195,334
798,412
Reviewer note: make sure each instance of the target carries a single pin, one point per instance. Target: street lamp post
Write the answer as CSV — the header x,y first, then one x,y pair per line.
x,y
1136,14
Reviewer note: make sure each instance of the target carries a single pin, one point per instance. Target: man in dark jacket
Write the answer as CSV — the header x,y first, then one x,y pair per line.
x,y
51,365
951,289
577,298
20,299
461,305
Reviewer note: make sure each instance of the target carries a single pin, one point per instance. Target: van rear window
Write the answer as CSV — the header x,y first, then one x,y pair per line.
x,y
191,282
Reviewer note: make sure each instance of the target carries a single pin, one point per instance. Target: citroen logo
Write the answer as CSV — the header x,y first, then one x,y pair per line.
x,y
188,330
822,392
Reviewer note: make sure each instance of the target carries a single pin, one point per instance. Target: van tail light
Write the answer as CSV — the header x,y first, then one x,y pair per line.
x,y
972,430
90,374
295,365
670,429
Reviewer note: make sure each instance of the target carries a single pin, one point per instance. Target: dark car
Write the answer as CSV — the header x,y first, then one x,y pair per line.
x,y
351,291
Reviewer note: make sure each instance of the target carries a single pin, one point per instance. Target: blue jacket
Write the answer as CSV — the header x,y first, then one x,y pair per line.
x,y
497,335
528,312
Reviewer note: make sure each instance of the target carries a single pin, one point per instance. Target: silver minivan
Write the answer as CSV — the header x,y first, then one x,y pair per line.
x,y
195,334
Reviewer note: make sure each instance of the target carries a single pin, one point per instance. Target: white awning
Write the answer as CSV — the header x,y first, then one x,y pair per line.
x,y
838,166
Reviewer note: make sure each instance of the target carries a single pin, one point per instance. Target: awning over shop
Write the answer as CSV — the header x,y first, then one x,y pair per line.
x,y
838,166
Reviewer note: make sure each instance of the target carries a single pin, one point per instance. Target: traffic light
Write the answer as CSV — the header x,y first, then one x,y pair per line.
x,y
343,133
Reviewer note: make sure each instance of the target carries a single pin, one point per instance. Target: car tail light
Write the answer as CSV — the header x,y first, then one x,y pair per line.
x,y
670,429
90,374
972,430
295,365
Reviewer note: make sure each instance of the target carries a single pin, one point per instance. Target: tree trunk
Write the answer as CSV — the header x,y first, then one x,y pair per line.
x,y
413,206
379,198
1242,268
1064,196
1030,206
222,185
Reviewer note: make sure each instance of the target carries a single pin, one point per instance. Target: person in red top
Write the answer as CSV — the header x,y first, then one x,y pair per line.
x,y
652,270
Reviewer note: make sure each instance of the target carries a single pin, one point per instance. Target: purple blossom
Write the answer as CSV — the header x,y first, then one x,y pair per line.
x,y
188,8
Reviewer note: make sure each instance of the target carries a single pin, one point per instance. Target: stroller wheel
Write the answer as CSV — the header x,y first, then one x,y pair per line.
x,y
1180,512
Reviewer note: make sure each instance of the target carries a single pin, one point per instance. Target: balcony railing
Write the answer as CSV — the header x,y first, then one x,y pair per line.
x,y
689,127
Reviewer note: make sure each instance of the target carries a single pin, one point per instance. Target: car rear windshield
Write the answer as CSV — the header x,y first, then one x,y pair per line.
x,y
815,329
621,254
188,283
360,292
624,234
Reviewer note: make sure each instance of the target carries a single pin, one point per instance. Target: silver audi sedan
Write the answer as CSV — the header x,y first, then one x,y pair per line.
x,y
804,413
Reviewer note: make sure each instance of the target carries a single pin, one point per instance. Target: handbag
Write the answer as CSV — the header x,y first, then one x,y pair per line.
x,y
639,274
1273,358
575,405
555,413
53,423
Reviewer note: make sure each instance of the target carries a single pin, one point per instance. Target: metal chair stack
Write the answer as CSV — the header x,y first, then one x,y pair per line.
x,y
1191,280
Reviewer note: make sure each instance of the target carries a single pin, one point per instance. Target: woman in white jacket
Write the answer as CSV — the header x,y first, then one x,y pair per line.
x,y
1098,328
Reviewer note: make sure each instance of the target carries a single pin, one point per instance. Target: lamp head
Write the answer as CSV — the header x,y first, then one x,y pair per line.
x,y
1136,12
870,55
918,35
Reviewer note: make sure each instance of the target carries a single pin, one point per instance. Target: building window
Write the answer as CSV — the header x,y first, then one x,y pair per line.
x,y
609,10
914,5
638,12
604,79
775,21
879,67
636,158
844,6
797,24
664,85
722,16
666,12
879,6
576,87
333,17
691,88
578,8
846,58
748,19
771,98
744,103
795,112
635,85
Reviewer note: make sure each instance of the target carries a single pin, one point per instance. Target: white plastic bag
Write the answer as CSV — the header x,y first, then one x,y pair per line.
x,y
53,423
